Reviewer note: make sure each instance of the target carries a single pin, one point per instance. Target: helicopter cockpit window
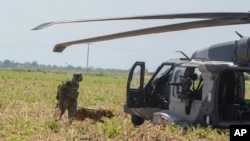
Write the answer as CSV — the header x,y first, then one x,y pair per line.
x,y
135,82
157,87
164,70
161,78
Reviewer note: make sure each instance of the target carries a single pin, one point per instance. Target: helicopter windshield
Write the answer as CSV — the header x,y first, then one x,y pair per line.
x,y
164,70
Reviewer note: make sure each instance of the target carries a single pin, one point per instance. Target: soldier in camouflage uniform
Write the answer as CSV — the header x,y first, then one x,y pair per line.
x,y
67,95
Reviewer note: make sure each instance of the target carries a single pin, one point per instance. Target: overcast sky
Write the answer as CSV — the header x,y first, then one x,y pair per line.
x,y
20,44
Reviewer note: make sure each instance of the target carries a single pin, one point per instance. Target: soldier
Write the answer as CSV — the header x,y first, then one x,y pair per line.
x,y
67,95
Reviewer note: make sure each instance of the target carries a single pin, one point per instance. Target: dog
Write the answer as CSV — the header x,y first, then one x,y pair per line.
x,y
93,114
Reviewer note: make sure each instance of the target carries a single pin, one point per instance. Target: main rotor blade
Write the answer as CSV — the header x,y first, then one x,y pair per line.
x,y
160,16
160,29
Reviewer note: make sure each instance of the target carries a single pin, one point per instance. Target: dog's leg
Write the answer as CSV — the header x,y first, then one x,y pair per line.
x,y
100,120
79,116
94,121
82,119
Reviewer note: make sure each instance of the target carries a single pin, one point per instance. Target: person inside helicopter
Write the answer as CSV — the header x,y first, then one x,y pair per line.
x,y
190,88
189,91
188,83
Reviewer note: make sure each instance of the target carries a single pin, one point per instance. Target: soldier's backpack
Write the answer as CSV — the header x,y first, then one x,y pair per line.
x,y
59,89
65,90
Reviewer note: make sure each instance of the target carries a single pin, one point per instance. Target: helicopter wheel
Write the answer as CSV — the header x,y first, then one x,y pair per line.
x,y
137,120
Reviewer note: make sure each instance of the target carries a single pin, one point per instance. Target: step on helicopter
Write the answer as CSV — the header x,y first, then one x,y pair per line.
x,y
207,88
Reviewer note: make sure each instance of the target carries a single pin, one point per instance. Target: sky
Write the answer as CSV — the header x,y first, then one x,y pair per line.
x,y
21,44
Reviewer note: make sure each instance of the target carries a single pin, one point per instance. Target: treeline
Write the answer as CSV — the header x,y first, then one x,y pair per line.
x,y
35,65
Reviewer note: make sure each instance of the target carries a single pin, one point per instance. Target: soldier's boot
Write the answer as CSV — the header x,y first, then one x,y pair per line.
x,y
71,119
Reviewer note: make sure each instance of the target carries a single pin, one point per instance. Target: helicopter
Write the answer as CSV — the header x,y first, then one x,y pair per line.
x,y
207,88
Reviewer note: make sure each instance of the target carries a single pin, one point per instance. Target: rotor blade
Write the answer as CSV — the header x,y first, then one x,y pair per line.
x,y
160,16
160,29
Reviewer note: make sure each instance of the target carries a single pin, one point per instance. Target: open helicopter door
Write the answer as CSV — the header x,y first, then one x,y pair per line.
x,y
135,85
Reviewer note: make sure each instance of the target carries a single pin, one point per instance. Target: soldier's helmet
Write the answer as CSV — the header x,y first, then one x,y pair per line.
x,y
194,76
78,76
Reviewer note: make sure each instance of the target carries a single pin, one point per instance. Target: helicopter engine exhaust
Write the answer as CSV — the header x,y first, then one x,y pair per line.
x,y
242,51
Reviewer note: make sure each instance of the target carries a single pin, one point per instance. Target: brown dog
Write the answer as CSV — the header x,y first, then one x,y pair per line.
x,y
93,114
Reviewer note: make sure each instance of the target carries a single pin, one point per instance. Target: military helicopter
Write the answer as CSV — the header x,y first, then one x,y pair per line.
x,y
207,88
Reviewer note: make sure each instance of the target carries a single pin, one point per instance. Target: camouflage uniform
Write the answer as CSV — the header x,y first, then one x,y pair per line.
x,y
67,95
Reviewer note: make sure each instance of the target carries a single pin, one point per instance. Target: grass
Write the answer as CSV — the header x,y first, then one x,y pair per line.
x,y
27,101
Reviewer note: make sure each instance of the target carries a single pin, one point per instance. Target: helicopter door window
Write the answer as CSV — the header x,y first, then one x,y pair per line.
x,y
190,82
135,82
196,82
179,72
247,86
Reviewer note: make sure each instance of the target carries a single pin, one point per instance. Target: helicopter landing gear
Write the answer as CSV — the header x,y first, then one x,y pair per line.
x,y
137,120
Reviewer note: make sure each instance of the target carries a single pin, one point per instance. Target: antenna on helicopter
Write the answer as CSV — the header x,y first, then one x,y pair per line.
x,y
184,55
239,34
